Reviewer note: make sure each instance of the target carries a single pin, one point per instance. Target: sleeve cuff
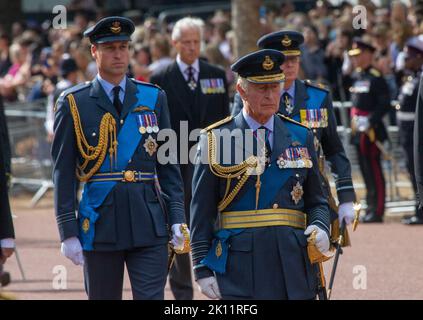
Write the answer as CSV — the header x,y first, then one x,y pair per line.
x,y
7,243
201,271
68,229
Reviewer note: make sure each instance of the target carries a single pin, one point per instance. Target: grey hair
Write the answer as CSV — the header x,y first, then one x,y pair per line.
x,y
243,83
187,23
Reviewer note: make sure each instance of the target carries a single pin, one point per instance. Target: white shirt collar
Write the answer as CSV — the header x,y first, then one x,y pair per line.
x,y
108,87
183,66
254,125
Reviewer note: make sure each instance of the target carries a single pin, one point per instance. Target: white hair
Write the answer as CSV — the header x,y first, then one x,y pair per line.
x,y
187,23
243,83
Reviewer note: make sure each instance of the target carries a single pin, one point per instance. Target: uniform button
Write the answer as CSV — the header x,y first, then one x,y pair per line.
x,y
130,160
121,121
314,130
275,206
93,134
297,175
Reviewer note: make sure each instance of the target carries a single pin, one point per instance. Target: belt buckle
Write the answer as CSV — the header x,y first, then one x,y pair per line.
x,y
129,176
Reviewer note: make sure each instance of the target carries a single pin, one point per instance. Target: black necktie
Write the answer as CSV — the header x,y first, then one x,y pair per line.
x,y
116,100
191,80
286,100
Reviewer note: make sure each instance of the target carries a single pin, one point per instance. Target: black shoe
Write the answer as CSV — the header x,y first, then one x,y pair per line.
x,y
372,218
4,279
413,220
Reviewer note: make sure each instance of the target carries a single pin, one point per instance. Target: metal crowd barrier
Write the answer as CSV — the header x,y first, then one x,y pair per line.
x,y
31,162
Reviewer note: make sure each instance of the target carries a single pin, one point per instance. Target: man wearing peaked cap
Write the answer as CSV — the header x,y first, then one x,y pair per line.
x,y
105,134
311,105
371,101
110,29
406,116
250,218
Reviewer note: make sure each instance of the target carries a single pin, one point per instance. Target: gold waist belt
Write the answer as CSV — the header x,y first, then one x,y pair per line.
x,y
263,218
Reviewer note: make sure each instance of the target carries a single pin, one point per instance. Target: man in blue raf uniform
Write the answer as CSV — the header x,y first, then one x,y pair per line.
x,y
311,105
248,215
105,135
406,114
371,101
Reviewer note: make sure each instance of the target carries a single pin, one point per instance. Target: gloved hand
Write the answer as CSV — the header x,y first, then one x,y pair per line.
x,y
209,287
71,249
322,239
346,212
177,236
362,123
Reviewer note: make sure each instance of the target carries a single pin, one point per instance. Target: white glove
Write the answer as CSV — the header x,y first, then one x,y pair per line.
x,y
71,249
362,123
209,287
346,212
322,239
177,236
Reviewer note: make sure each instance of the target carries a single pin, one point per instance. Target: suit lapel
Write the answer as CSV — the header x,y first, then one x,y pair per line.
x,y
300,97
130,97
281,138
103,100
180,89
248,147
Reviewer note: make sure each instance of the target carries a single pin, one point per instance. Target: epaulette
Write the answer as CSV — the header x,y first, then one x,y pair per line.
x,y
375,72
71,90
291,120
217,124
146,83
316,85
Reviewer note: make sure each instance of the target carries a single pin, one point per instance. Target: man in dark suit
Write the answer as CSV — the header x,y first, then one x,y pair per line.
x,y
7,242
105,134
253,210
197,96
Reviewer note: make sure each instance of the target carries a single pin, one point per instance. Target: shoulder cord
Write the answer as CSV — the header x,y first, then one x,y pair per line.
x,y
107,132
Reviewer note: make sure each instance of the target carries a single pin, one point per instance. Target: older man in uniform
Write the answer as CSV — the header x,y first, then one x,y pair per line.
x,y
251,215
311,105
406,114
105,134
371,101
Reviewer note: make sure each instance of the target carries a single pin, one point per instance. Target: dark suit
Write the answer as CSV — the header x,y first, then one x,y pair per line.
x,y
4,139
263,262
6,225
132,227
418,150
199,109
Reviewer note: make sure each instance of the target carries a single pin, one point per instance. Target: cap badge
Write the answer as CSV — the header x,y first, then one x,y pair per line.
x,y
268,63
286,42
116,28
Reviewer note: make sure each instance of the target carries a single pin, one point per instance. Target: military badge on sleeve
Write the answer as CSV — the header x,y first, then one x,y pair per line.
x,y
297,192
150,145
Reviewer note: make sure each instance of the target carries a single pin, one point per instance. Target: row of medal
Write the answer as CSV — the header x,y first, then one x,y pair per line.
x,y
295,157
212,86
147,122
314,118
